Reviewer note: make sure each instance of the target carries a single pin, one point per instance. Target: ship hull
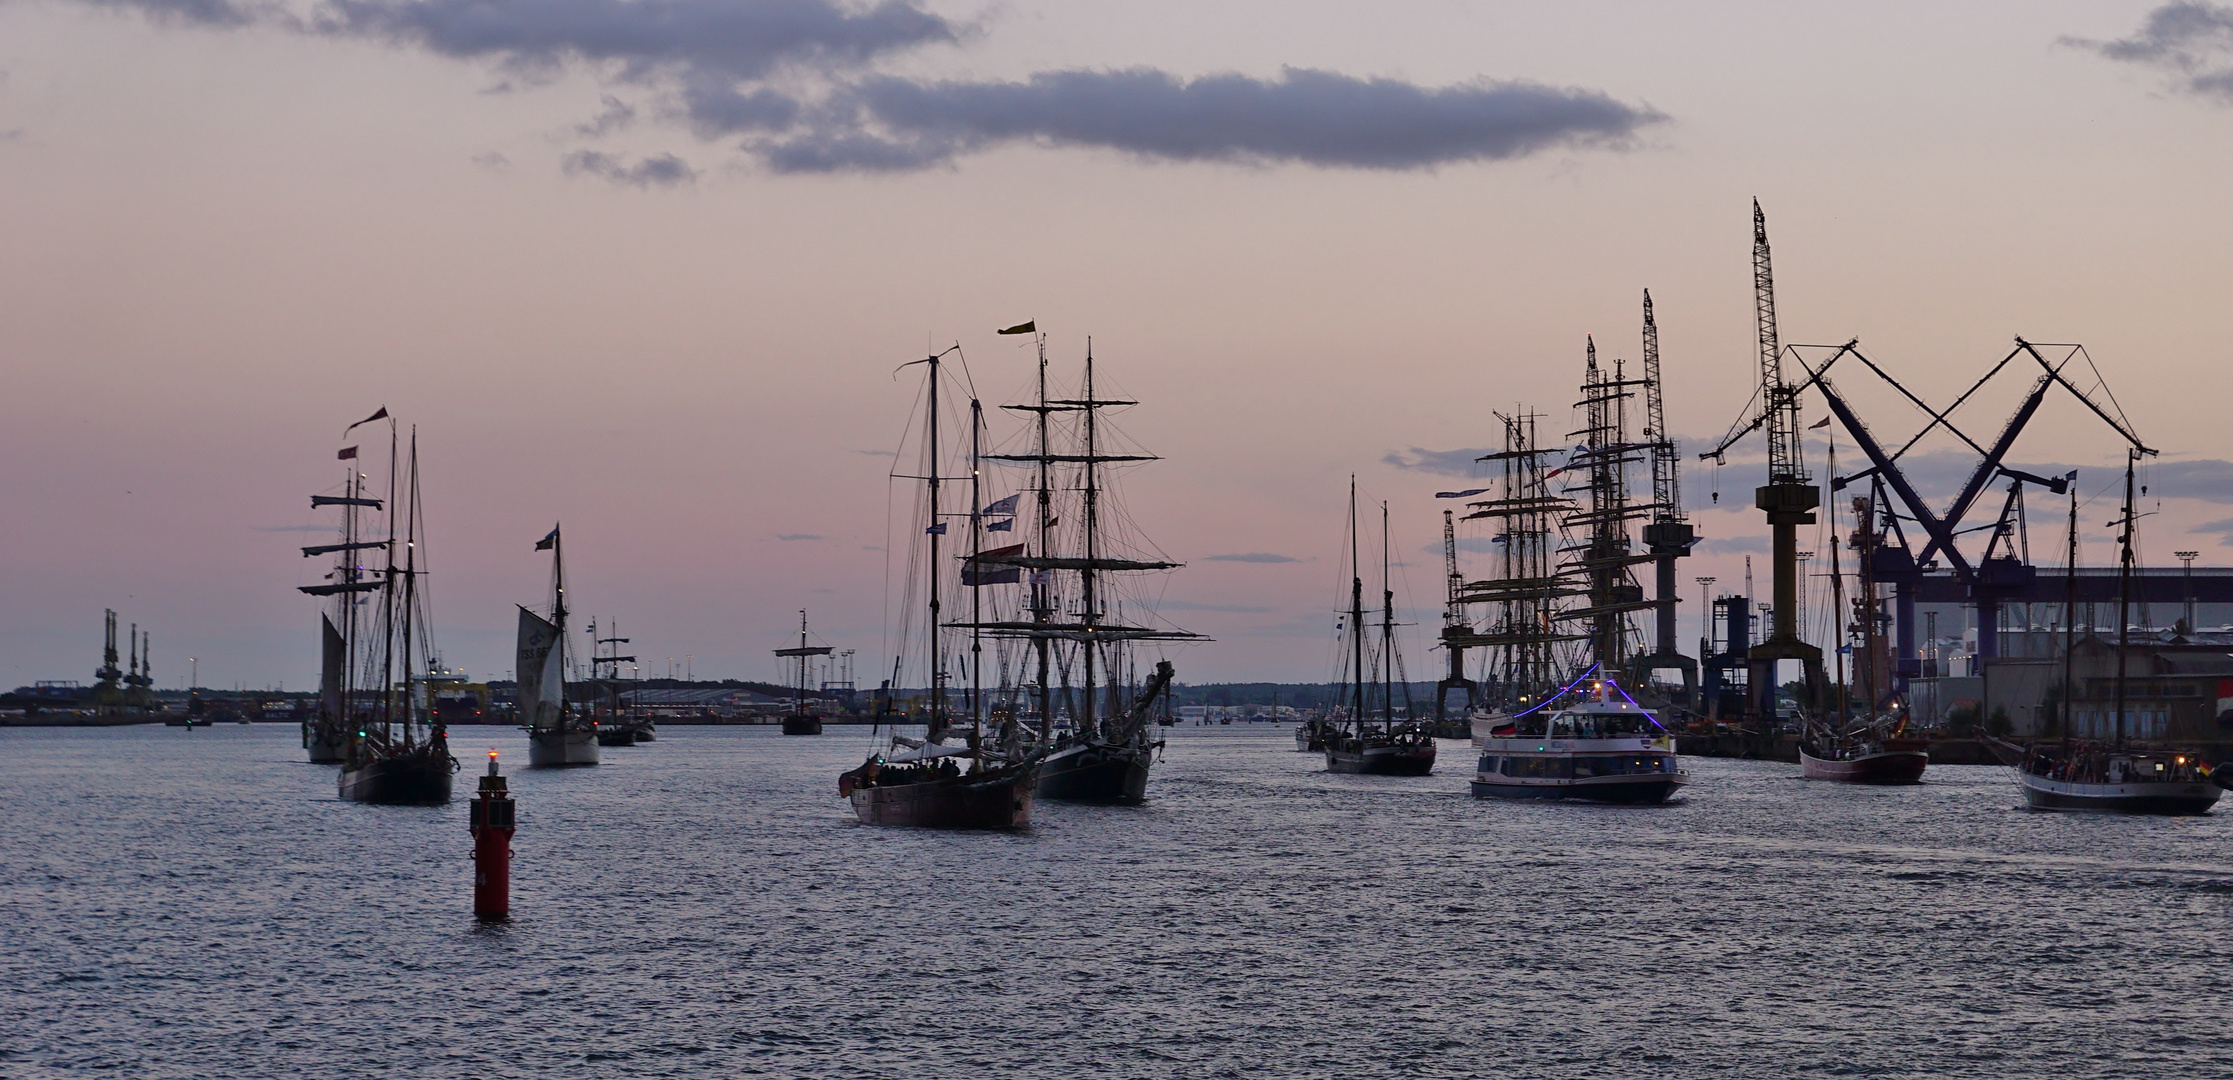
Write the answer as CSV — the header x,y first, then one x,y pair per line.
x,y
419,778
324,746
1391,760
1623,790
1884,767
996,799
555,748
802,725
616,735
1309,740
1094,773
2173,798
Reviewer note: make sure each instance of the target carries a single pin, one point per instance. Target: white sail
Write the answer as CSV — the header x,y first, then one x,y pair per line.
x,y
541,672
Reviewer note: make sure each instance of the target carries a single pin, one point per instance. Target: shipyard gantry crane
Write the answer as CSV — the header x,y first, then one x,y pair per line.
x,y
1789,498
1669,535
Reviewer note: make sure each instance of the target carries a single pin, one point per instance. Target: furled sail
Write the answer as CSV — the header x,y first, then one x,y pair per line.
x,y
541,672
329,678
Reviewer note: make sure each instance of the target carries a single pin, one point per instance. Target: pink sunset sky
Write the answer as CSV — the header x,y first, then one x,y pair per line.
x,y
648,266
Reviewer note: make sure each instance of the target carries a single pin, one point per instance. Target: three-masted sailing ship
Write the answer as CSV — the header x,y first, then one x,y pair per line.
x,y
392,748
934,780
1356,743
1073,617
557,735
619,722
2121,774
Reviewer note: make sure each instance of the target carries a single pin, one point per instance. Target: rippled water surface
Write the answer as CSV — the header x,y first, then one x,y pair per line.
x,y
197,904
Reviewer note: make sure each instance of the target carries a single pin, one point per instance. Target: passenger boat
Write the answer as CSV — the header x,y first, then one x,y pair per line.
x,y
1604,748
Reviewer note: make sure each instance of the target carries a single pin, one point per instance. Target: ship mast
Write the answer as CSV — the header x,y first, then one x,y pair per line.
x,y
2124,590
1356,615
1089,574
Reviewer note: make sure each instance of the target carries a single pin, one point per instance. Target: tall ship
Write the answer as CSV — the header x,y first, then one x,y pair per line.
x,y
955,775
1870,745
802,720
1357,743
557,734
619,722
350,585
1599,746
395,749
2121,774
1084,707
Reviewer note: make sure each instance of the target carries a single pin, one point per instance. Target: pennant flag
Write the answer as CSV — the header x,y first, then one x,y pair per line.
x,y
347,453
548,542
1458,494
1053,521
1822,423
1003,525
381,415
1554,472
1030,327
936,530
1001,508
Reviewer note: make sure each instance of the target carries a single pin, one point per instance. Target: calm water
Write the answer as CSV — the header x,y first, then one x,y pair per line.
x,y
197,904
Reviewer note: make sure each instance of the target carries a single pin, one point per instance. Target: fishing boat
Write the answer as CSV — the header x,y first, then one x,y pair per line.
x,y
1079,610
2118,775
1604,747
932,781
558,735
397,750
800,720
1356,744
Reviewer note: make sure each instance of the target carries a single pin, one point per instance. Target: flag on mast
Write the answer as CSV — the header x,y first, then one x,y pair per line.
x,y
347,453
381,415
548,542
1028,326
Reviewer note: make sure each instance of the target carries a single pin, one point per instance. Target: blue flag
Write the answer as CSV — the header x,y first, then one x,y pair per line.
x,y
936,530
1003,525
548,542
1003,507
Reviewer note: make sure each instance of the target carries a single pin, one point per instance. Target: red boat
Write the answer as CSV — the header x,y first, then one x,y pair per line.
x,y
1892,760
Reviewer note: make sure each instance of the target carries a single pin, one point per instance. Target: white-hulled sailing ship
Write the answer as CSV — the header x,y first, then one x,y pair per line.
x,y
556,734
1356,743
954,776
2120,774
394,749
1088,713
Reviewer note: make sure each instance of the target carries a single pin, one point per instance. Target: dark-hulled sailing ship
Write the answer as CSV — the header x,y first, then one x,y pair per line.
x,y
1358,744
1096,737
933,781
619,721
1871,745
802,720
557,734
394,749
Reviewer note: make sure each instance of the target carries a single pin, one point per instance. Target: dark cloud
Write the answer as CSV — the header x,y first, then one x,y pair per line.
x,y
493,161
2207,479
795,80
658,170
2222,527
1304,116
798,536
2191,42
1439,462
1251,556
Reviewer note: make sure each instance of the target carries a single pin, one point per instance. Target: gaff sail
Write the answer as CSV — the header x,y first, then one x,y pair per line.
x,y
541,672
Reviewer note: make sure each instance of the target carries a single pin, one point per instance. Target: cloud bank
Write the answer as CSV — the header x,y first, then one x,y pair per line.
x,y
2191,42
792,84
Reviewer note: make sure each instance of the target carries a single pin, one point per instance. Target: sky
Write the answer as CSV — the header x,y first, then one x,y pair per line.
x,y
649,268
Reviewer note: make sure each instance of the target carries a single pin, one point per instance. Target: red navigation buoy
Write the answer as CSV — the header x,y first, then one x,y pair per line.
x,y
491,826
